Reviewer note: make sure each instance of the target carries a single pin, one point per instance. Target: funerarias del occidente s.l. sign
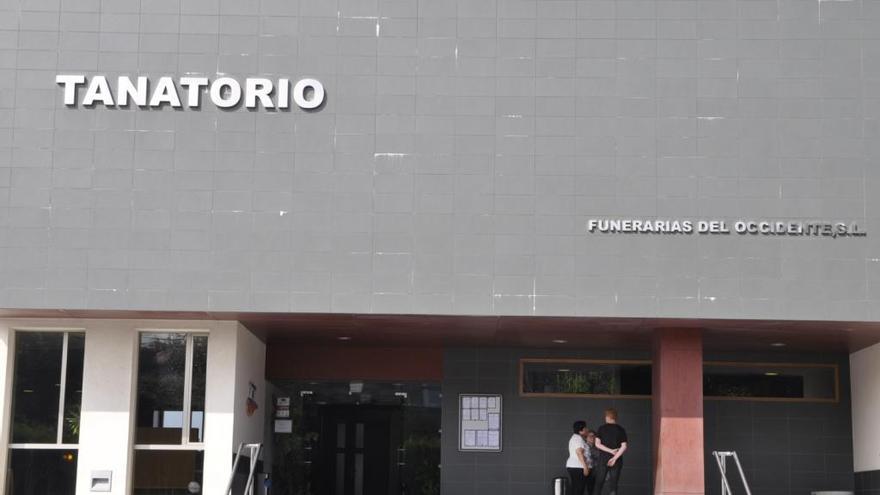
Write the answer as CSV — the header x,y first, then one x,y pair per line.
x,y
190,92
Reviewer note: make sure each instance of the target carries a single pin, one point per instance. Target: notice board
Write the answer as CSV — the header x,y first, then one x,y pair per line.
x,y
479,424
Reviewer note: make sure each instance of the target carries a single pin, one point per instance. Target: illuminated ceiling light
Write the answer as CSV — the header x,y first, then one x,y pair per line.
x,y
771,373
560,341
778,344
343,339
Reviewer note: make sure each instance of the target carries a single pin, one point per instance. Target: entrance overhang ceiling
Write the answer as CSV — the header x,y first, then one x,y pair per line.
x,y
516,331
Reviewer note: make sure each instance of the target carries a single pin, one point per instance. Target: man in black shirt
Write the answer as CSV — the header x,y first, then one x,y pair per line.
x,y
612,443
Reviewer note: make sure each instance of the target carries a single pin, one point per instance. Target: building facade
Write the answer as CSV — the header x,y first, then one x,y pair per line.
x,y
324,226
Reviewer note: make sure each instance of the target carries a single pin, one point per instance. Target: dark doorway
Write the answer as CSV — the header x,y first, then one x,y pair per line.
x,y
358,457
357,438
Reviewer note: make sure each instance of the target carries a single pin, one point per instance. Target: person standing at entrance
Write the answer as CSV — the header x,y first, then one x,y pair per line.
x,y
592,460
578,465
612,444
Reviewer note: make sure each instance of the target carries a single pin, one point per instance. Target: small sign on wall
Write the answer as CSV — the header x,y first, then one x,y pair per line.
x,y
282,407
283,423
283,426
480,421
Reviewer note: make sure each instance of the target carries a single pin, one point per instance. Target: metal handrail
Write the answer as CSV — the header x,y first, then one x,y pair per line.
x,y
721,459
255,449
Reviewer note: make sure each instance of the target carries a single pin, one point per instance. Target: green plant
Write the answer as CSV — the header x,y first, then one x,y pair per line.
x,y
721,388
585,382
291,470
33,431
423,451
71,420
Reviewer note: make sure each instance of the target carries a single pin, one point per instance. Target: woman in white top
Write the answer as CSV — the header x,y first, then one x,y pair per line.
x,y
578,463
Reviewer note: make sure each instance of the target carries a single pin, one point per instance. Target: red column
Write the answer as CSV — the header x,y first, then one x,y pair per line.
x,y
678,412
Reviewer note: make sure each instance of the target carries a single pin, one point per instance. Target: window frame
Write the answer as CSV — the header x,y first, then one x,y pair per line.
x,y
558,395
834,367
59,434
185,444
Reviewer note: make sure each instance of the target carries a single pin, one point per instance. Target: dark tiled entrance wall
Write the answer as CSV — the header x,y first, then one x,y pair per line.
x,y
868,483
786,448
536,431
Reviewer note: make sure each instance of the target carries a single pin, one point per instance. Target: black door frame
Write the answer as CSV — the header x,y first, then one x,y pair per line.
x,y
380,463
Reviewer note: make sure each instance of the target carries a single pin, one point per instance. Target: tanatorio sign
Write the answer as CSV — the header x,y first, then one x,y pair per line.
x,y
190,92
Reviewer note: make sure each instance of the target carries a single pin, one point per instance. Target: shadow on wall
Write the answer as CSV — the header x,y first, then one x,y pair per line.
x,y
786,448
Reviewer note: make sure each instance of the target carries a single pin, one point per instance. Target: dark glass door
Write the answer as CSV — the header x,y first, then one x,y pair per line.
x,y
369,438
360,449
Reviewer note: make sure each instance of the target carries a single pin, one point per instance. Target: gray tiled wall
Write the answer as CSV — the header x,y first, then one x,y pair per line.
x,y
462,147
868,483
785,448
535,431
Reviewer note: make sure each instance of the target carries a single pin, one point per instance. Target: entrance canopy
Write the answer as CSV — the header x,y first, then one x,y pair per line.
x,y
514,331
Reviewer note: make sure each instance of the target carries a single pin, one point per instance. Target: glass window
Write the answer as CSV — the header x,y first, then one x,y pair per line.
x,y
577,378
47,395
168,472
37,386
770,381
172,373
721,380
47,383
172,376
199,379
160,388
76,345
42,472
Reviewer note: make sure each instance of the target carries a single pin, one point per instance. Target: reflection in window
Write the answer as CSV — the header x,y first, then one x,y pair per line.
x,y
42,472
168,472
47,379
37,386
199,379
584,378
160,388
172,374
770,381
76,346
